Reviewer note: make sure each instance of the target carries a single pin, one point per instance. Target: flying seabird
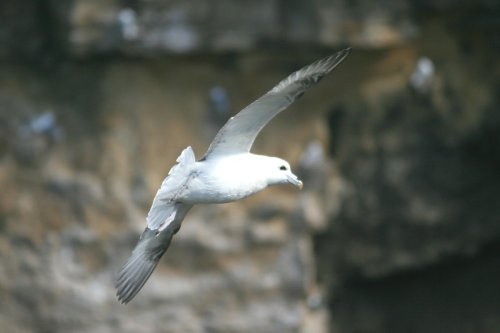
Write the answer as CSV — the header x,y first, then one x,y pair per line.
x,y
227,172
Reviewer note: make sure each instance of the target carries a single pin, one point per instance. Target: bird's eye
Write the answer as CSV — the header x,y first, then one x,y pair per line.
x,y
283,168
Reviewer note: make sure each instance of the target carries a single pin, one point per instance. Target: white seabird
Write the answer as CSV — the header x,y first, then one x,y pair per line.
x,y
226,173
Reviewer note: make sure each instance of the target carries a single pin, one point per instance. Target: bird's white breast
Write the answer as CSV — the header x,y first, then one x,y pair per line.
x,y
225,179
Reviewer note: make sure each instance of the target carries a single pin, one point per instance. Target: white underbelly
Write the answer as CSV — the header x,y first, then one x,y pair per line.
x,y
215,189
214,194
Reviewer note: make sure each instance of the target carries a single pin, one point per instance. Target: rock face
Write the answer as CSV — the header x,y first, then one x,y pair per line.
x,y
419,202
156,27
396,230
76,191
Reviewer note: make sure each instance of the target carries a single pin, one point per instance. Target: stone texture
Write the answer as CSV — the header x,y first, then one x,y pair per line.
x,y
419,191
86,28
424,154
149,28
73,207
396,229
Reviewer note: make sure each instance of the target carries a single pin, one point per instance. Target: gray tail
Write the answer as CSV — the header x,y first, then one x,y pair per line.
x,y
138,268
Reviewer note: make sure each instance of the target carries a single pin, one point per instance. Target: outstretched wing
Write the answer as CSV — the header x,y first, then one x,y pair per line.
x,y
145,257
240,131
164,220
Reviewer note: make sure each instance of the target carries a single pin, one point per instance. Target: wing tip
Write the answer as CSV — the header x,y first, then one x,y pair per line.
x,y
141,264
344,53
317,69
133,276
335,59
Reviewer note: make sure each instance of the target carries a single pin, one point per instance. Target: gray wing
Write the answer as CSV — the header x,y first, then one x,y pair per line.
x,y
240,131
164,220
145,257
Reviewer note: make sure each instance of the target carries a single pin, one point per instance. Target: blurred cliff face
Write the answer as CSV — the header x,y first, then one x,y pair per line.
x,y
396,230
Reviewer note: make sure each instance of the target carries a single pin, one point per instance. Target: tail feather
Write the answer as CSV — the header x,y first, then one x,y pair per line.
x,y
141,264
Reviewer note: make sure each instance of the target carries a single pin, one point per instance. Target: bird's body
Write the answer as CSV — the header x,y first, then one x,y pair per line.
x,y
227,172
241,175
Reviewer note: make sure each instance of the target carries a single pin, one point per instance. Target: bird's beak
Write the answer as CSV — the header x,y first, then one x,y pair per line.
x,y
295,181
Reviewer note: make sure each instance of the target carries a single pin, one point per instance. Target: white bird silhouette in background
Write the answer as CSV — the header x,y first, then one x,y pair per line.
x,y
226,173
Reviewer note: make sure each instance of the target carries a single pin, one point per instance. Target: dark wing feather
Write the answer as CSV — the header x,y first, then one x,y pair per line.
x,y
145,257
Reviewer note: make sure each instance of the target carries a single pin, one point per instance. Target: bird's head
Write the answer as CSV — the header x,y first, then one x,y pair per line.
x,y
279,172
